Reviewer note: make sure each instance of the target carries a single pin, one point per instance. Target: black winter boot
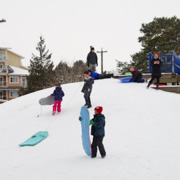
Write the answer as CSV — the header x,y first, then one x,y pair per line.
x,y
157,86
89,103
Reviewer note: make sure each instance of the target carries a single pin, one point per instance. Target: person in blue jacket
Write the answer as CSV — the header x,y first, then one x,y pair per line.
x,y
98,132
58,95
95,75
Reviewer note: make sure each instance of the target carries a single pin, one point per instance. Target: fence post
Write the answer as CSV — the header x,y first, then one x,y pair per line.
x,y
150,57
172,61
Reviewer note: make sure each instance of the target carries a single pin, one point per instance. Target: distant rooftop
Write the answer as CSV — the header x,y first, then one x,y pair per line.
x,y
8,48
19,71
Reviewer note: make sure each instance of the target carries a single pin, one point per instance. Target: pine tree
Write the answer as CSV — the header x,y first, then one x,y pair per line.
x,y
40,69
161,35
77,70
63,72
67,74
122,67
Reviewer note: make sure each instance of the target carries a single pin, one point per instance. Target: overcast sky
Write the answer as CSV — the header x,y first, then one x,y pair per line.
x,y
71,26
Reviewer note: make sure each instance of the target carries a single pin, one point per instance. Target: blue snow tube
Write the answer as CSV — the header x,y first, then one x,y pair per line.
x,y
126,80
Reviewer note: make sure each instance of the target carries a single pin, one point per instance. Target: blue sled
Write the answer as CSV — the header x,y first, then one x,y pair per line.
x,y
35,139
85,130
126,80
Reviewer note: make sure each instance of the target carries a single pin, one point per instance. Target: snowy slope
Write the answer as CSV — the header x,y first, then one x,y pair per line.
x,y
142,135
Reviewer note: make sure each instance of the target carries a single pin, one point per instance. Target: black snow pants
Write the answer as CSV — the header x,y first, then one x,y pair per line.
x,y
152,79
87,97
97,142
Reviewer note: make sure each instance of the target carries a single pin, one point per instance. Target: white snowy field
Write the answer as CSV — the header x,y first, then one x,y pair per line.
x,y
142,135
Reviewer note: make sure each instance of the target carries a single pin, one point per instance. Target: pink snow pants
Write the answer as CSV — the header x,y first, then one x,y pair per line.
x,y
57,104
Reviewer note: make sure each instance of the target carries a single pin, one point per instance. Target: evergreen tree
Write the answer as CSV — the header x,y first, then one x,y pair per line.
x,y
63,72
77,70
79,67
122,67
67,74
40,69
161,35
140,61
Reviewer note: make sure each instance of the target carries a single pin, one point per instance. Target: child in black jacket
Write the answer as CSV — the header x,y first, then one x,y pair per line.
x,y
156,70
87,88
98,132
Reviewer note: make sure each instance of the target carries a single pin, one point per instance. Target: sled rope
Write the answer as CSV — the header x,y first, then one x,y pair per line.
x,y
40,112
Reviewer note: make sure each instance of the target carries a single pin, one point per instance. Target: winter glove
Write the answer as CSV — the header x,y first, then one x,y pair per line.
x,y
80,118
91,122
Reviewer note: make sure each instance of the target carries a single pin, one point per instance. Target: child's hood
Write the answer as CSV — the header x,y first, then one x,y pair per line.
x,y
58,88
97,116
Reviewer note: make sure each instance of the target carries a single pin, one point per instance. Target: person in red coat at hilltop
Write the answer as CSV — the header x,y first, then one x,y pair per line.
x,y
136,75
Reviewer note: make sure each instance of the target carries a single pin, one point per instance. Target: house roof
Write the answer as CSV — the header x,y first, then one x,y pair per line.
x,y
7,48
19,71
3,45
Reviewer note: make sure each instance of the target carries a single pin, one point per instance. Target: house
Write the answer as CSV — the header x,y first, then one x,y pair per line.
x,y
13,76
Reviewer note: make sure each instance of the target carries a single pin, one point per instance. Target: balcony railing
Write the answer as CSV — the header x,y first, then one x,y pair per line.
x,y
3,71
3,58
3,83
3,98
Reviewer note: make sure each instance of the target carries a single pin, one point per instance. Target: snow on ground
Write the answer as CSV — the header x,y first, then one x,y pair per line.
x,y
142,135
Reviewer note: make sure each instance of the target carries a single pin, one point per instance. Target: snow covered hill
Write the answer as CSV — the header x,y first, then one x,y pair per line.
x,y
142,135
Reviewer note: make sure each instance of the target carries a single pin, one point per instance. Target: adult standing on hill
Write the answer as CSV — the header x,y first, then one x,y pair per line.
x,y
156,69
92,60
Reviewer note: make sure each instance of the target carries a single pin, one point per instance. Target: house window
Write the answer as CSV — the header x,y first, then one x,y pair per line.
x,y
1,55
24,82
14,80
1,67
14,94
1,94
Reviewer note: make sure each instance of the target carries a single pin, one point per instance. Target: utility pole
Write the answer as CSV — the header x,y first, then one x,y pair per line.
x,y
102,59
2,20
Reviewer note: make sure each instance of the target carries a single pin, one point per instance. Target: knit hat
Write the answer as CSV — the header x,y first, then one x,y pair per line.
x,y
92,48
99,109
